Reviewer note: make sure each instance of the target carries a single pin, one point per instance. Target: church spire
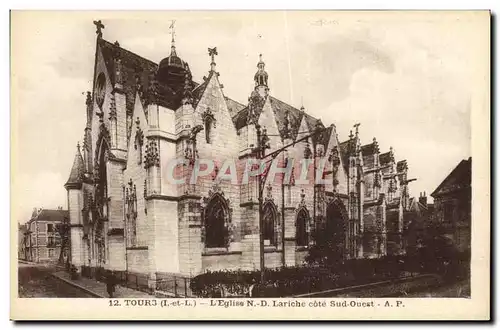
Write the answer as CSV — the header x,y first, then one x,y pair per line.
x,y
77,170
172,32
261,76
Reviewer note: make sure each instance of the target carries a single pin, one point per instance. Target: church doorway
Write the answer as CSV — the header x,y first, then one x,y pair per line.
x,y
215,222
335,228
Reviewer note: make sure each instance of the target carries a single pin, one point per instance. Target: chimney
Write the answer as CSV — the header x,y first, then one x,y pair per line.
x,y
423,199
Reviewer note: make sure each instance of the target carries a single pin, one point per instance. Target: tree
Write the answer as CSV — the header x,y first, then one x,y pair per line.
x,y
327,249
63,229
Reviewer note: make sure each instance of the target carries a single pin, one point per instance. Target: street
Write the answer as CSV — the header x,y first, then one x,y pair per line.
x,y
35,281
453,290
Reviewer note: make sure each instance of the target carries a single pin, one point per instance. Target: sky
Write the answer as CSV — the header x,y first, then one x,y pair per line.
x,y
406,78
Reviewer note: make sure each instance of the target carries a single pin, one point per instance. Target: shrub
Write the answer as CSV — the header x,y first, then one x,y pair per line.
x,y
289,281
327,249
438,255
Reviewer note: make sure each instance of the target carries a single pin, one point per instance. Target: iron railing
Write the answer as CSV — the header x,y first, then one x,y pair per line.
x,y
133,281
174,285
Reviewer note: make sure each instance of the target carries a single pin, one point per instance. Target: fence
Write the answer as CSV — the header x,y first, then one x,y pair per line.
x,y
133,281
174,285
130,280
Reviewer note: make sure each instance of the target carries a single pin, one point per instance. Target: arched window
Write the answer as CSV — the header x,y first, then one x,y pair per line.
x,y
269,220
216,214
209,121
301,236
208,127
102,184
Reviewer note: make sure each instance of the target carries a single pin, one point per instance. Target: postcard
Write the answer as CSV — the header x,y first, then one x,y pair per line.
x,y
250,165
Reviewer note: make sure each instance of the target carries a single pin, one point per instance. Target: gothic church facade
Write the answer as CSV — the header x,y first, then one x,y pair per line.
x,y
126,215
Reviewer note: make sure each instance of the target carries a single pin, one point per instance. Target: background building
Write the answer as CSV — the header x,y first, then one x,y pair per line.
x,y
418,223
42,238
452,200
22,241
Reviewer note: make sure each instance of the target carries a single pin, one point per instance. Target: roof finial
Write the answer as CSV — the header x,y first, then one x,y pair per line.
x,y
212,52
172,32
78,146
302,103
261,63
357,128
99,26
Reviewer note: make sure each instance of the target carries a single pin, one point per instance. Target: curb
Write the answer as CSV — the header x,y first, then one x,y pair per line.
x,y
365,286
26,262
78,286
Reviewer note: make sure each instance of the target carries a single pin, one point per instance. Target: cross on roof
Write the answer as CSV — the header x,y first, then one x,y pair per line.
x,y
212,52
172,30
99,26
356,126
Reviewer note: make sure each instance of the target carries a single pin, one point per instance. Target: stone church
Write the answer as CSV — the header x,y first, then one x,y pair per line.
x,y
126,215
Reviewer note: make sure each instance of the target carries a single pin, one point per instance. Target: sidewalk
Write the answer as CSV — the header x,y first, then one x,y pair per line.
x,y
98,289
25,263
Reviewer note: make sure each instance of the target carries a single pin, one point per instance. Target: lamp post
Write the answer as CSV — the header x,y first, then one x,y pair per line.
x,y
262,145
191,154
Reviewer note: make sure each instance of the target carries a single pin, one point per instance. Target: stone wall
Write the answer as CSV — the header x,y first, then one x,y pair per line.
x,y
137,261
229,261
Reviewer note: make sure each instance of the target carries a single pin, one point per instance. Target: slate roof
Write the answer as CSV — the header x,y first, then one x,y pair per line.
x,y
369,149
198,91
51,215
136,69
233,106
240,119
280,109
295,116
77,171
459,178
325,137
386,158
401,165
132,65
344,153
